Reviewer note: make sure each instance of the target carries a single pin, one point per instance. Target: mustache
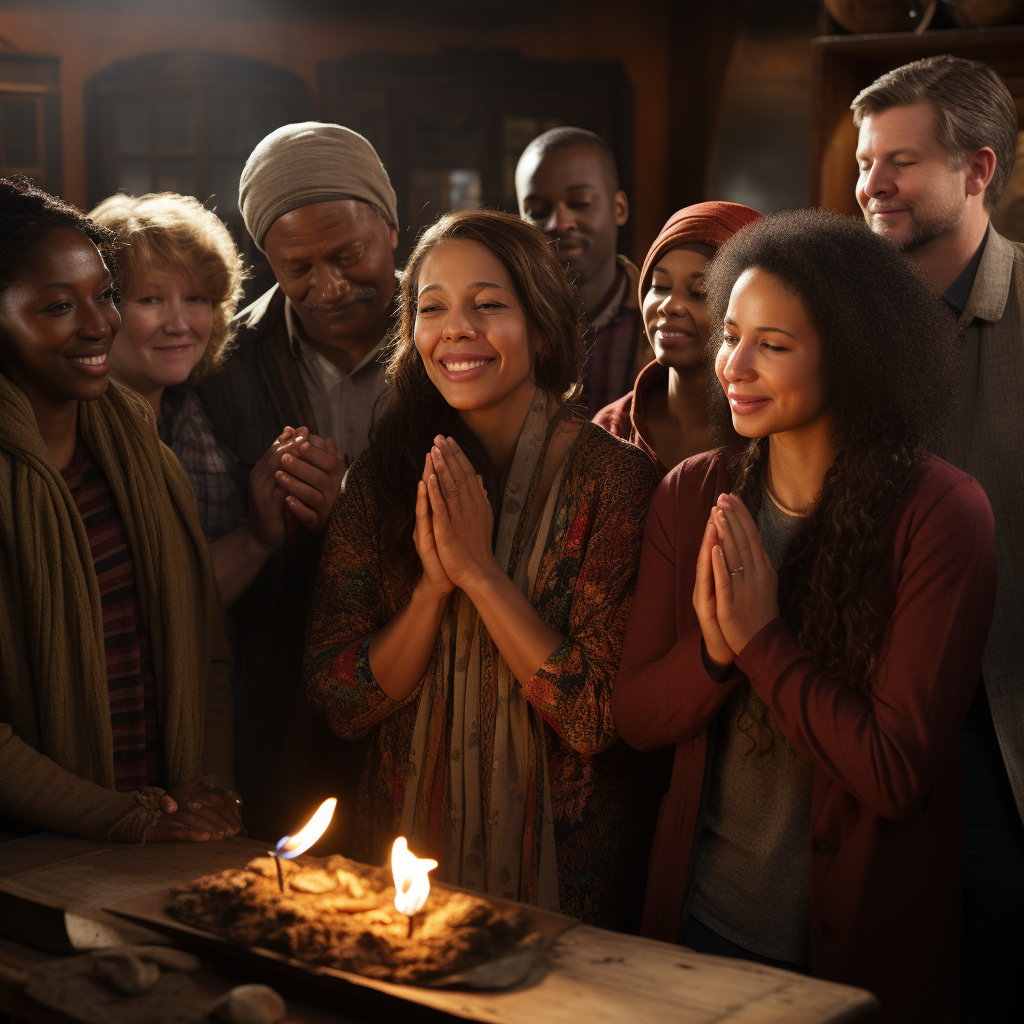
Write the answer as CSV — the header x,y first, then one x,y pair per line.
x,y
362,295
572,239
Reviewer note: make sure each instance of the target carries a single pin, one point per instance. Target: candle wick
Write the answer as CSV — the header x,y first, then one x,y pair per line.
x,y
412,918
280,877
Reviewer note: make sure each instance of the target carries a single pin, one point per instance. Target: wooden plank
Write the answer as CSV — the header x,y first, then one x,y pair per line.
x,y
594,975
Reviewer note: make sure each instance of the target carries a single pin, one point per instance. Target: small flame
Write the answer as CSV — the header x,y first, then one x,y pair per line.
x,y
411,883
292,846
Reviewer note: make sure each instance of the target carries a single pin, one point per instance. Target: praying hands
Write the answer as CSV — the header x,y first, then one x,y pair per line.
x,y
454,520
736,592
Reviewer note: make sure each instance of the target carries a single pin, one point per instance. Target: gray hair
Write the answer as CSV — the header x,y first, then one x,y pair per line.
x,y
973,109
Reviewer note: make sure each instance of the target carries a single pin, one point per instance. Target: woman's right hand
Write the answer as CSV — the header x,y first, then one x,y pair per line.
x,y
434,580
705,603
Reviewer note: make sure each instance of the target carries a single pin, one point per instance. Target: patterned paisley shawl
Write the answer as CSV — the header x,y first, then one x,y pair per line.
x,y
477,789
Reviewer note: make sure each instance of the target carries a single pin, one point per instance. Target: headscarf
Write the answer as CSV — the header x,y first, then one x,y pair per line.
x,y
306,163
711,224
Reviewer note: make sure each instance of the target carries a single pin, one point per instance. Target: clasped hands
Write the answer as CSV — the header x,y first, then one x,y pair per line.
x,y
736,591
296,482
454,522
190,814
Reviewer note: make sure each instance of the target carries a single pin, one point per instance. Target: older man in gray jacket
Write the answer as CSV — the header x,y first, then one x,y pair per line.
x,y
310,353
936,147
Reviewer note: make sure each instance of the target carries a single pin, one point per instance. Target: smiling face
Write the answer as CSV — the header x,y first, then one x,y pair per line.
x,y
57,322
675,309
570,195
770,361
471,330
165,327
335,262
908,188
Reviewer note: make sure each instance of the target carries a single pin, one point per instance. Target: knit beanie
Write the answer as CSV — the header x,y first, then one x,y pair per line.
x,y
306,163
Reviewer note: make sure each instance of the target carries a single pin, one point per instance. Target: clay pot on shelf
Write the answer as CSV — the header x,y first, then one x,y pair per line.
x,y
866,16
975,13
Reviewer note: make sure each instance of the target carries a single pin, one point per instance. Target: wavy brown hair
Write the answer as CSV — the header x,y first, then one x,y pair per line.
x,y
888,357
166,231
417,412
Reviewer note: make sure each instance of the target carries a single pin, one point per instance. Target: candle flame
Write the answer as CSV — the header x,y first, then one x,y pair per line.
x,y
292,846
411,883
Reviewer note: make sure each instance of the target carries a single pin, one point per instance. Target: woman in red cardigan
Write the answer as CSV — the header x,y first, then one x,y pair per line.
x,y
808,627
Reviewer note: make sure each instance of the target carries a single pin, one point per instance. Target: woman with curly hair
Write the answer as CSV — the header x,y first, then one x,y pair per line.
x,y
114,697
181,281
808,627
475,581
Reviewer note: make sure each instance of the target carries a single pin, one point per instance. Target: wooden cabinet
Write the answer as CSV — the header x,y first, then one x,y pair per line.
x,y
186,121
30,141
845,64
450,127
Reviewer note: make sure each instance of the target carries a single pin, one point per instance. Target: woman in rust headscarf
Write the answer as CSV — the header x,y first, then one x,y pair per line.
x,y
666,412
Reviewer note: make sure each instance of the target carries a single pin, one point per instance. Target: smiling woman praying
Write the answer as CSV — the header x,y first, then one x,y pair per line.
x,y
666,413
475,582
115,711
809,621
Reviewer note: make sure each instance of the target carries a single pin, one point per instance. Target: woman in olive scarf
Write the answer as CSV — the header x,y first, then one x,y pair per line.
x,y
115,718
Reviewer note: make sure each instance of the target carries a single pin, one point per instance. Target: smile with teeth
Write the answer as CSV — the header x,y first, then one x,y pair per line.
x,y
465,364
89,360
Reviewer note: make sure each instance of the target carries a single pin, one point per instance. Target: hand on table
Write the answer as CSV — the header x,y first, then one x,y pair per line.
x,y
746,588
189,814
461,518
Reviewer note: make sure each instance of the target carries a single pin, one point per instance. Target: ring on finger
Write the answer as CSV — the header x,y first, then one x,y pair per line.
x,y
732,572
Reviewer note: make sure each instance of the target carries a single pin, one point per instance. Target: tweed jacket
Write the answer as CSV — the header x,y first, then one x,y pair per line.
x,y
986,440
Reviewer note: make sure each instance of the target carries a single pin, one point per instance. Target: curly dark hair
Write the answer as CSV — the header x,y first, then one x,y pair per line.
x,y
417,412
888,354
28,213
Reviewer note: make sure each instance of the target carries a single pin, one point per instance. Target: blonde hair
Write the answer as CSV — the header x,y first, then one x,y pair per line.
x,y
166,231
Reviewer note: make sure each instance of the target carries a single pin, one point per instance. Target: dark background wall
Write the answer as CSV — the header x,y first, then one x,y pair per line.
x,y
720,93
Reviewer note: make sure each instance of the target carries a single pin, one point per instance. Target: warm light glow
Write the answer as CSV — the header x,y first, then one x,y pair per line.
x,y
411,883
292,846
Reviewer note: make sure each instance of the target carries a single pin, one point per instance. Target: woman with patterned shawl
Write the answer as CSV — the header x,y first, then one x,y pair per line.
x,y
475,582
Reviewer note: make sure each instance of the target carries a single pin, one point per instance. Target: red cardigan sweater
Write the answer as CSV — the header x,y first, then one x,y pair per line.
x,y
887,803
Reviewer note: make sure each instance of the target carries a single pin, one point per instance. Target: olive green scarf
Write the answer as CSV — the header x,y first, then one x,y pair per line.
x,y
53,677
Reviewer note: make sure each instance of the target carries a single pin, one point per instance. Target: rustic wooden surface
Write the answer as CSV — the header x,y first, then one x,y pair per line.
x,y
595,975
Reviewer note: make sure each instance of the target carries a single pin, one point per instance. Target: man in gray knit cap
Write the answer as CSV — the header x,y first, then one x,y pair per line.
x,y
318,203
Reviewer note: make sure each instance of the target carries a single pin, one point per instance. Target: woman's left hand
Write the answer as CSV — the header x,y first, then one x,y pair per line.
x,y
746,585
462,517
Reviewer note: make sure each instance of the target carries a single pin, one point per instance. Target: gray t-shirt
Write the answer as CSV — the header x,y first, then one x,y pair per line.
x,y
751,872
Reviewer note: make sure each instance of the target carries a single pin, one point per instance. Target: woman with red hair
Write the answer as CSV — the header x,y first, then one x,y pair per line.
x,y
666,412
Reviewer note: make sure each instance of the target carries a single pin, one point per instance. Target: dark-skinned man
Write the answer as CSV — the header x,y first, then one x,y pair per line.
x,y
568,185
935,150
318,203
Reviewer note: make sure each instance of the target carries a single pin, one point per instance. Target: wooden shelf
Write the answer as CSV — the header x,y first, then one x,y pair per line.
x,y
845,64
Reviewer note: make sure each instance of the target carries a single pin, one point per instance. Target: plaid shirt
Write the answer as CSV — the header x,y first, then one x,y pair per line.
x,y
208,465
612,339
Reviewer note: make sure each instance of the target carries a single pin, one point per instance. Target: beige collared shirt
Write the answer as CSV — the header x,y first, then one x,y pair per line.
x,y
342,403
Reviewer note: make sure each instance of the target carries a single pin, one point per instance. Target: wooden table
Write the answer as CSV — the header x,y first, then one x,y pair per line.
x,y
595,975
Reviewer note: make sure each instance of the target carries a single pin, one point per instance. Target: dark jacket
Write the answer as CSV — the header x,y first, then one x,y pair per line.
x,y
886,833
286,759
986,439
